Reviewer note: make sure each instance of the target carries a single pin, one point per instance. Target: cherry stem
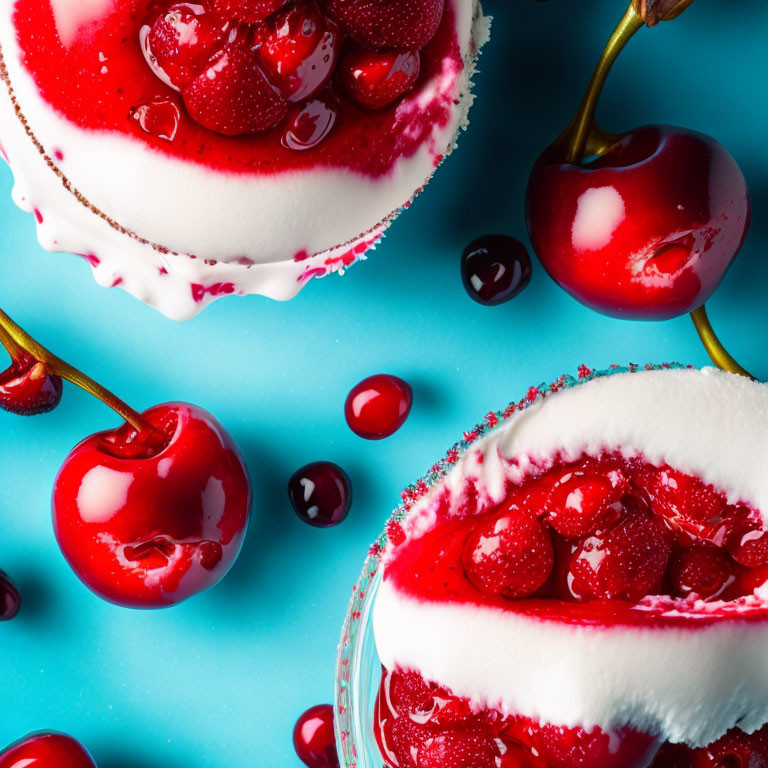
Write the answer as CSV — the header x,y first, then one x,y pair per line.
x,y
578,133
20,344
714,346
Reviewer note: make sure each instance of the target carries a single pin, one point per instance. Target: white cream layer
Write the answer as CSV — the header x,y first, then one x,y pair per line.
x,y
687,685
190,209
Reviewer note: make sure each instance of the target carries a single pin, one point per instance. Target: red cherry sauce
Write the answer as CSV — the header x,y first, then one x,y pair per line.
x,y
102,82
698,540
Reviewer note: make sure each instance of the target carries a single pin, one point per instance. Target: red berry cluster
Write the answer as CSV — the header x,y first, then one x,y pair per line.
x,y
248,67
613,528
422,725
419,724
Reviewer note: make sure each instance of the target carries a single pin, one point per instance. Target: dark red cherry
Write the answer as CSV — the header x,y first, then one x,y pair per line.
x,y
626,562
146,524
648,229
28,389
388,23
314,738
249,11
378,406
582,502
376,79
459,749
321,494
10,599
510,554
179,41
233,95
594,748
495,269
703,570
46,750
298,50
748,543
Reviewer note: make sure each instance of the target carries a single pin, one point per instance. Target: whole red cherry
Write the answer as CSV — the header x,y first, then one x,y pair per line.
x,y
147,523
646,230
27,388
46,750
378,406
10,599
314,738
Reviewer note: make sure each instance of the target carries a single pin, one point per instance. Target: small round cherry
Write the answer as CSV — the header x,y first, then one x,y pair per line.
x,y
154,511
495,269
321,494
378,406
27,387
10,599
314,738
46,750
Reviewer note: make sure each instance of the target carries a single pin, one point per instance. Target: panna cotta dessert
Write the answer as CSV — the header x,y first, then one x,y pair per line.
x,y
582,583
190,150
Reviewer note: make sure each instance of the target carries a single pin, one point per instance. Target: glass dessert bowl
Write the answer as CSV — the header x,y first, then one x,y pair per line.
x,y
580,583
191,150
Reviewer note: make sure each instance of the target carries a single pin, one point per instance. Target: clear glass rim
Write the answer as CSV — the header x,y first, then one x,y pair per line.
x,y
351,665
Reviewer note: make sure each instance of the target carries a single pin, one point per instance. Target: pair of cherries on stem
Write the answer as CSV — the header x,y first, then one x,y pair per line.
x,y
642,225
147,514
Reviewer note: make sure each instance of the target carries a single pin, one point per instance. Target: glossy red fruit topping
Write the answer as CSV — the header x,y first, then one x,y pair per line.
x,y
582,503
734,750
46,750
445,731
233,96
577,748
376,79
378,406
388,23
702,570
148,525
626,563
299,49
249,11
645,231
747,542
321,494
314,738
495,269
179,41
159,118
511,554
458,749
687,501
10,599
309,123
28,389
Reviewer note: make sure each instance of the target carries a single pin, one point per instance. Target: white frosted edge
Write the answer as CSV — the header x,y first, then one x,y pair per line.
x,y
686,685
706,423
690,685
215,216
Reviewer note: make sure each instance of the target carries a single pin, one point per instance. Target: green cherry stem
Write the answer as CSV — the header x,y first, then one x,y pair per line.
x,y
713,345
19,344
577,135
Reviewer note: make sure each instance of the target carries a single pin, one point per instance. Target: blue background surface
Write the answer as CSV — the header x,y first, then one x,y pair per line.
x,y
220,680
